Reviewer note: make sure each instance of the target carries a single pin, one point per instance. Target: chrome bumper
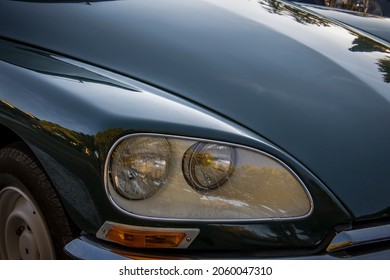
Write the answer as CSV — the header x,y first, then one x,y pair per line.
x,y
360,244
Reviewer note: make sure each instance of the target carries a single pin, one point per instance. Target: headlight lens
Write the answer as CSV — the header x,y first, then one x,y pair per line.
x,y
208,166
139,167
178,178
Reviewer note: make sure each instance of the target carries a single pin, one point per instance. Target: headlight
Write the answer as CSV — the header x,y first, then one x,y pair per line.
x,y
140,167
208,166
181,178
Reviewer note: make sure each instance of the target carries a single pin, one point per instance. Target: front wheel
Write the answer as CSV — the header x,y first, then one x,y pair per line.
x,y
33,223
24,231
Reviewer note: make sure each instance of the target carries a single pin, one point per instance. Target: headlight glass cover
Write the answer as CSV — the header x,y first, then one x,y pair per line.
x,y
168,177
139,167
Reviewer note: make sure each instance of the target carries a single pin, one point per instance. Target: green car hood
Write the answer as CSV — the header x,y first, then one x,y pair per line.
x,y
317,90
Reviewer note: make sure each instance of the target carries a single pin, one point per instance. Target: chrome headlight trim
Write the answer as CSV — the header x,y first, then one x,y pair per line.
x,y
150,218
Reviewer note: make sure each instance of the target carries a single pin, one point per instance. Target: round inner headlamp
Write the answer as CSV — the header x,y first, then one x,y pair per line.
x,y
207,166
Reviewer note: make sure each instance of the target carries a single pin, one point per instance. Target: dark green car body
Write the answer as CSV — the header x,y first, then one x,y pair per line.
x,y
77,76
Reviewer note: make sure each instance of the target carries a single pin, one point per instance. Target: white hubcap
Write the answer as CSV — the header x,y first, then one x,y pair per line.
x,y
23,231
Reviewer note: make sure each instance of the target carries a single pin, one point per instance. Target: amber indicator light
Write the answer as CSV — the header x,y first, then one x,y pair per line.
x,y
144,238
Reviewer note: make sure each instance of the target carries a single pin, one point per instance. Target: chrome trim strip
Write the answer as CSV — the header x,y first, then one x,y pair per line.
x,y
84,249
191,233
357,237
106,172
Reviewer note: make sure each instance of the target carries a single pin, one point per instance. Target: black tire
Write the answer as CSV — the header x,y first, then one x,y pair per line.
x,y
24,182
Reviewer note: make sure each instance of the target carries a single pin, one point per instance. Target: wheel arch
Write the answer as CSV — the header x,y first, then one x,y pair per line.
x,y
10,137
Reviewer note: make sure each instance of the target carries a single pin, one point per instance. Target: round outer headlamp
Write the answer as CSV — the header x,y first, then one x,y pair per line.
x,y
139,168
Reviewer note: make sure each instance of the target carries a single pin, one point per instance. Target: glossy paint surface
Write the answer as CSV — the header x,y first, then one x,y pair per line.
x,y
263,74
375,25
316,90
70,113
